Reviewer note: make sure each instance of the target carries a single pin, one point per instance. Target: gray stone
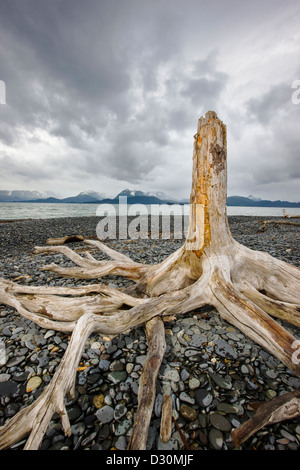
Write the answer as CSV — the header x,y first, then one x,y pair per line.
x,y
244,369
158,404
8,388
203,325
215,438
78,428
121,443
104,365
117,365
141,359
197,341
227,408
120,411
123,427
186,398
223,381
203,397
172,444
224,349
4,377
220,422
117,376
105,414
184,375
194,383
14,361
173,375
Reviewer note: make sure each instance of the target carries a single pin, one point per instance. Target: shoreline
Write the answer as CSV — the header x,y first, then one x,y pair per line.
x,y
216,389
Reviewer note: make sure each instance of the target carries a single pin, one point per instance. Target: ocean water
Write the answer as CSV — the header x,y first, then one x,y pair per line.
x,y
17,211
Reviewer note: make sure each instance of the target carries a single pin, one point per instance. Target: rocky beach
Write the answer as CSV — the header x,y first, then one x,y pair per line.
x,y
215,374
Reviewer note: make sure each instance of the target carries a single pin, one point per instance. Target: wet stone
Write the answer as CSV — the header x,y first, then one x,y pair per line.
x,y
227,408
8,388
117,376
123,427
203,397
104,365
215,438
120,411
186,398
188,413
224,349
172,375
105,414
220,422
223,381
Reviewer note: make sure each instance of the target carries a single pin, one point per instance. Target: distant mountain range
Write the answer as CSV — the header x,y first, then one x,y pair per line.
x,y
133,197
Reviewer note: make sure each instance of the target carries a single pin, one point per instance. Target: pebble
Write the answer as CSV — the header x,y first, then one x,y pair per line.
x,y
215,438
203,397
33,383
117,376
172,375
188,413
220,422
105,414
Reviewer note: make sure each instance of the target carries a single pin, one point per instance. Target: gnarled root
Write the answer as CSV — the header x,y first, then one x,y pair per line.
x,y
34,419
247,288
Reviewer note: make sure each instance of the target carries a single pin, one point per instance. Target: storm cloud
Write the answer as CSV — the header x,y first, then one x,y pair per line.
x,y
105,95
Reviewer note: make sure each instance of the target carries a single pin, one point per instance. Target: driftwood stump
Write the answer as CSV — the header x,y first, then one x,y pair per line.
x,y
247,288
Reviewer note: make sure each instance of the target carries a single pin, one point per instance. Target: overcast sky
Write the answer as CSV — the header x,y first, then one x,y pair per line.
x,y
105,94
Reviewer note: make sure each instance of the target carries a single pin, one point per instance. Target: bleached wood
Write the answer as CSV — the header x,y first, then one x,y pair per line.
x,y
62,240
166,418
286,406
244,285
155,332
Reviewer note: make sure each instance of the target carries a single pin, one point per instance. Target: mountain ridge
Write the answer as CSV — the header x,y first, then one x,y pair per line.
x,y
133,197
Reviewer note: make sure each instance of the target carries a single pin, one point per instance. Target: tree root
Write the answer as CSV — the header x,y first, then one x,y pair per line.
x,y
248,288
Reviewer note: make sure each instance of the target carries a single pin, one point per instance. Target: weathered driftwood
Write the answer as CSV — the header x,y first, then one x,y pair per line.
x,y
286,406
166,418
64,240
289,216
155,332
248,288
264,223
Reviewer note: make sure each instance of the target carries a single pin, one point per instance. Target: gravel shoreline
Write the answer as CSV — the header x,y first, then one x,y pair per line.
x,y
211,369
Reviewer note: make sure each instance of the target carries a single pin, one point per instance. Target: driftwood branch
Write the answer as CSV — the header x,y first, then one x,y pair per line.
x,y
250,289
286,406
64,240
264,224
155,333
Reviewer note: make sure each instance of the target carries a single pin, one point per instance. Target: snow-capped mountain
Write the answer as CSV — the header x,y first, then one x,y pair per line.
x,y
161,195
131,193
19,195
92,194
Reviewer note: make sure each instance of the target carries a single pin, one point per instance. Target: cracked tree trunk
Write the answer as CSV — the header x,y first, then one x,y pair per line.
x,y
248,288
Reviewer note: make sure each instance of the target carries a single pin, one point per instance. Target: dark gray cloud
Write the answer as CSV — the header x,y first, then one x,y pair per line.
x,y
103,94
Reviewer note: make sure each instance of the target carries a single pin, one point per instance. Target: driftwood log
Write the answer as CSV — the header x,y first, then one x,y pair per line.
x,y
264,223
248,288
